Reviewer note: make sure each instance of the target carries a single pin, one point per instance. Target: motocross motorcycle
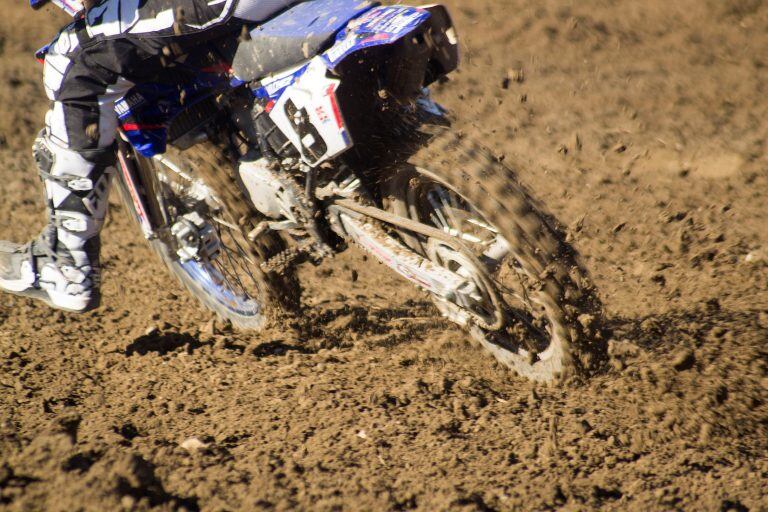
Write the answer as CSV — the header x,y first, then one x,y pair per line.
x,y
316,130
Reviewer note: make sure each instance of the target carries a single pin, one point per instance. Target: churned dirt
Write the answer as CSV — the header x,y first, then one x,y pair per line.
x,y
645,127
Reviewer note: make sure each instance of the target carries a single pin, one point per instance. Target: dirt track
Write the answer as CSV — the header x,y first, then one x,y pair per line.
x,y
645,127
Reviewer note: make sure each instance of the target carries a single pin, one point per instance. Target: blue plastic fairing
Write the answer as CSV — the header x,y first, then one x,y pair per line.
x,y
378,26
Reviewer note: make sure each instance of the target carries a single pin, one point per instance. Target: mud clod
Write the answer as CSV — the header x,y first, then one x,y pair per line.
x,y
193,445
683,360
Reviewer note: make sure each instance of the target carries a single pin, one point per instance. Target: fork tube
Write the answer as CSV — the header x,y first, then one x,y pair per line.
x,y
140,182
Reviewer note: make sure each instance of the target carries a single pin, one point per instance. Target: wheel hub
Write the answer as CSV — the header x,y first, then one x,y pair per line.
x,y
478,298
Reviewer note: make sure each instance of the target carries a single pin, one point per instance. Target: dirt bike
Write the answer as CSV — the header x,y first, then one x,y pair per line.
x,y
316,130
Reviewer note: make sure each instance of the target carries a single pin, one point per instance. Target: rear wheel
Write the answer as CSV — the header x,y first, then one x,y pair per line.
x,y
532,305
201,200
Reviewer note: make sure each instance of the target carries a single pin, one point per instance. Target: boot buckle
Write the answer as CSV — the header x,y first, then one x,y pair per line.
x,y
74,224
80,184
72,274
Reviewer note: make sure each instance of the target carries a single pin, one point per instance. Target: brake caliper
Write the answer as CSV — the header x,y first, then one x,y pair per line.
x,y
195,238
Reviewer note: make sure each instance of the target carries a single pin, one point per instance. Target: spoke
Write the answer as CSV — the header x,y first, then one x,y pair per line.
x,y
244,255
525,299
436,221
224,223
225,274
481,224
241,252
241,256
508,291
233,270
451,207
467,237
441,221
229,271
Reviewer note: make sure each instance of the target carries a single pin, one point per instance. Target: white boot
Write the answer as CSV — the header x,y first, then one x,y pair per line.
x,y
61,266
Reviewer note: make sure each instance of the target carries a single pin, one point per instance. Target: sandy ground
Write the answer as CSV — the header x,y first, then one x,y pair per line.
x,y
645,127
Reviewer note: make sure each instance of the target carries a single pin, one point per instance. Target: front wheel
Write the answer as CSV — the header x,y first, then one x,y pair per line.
x,y
532,305
202,203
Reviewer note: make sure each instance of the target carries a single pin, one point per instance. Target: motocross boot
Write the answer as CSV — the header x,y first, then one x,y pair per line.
x,y
61,265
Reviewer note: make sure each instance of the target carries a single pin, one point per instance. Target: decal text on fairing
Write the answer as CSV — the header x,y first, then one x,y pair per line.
x,y
274,87
129,102
340,49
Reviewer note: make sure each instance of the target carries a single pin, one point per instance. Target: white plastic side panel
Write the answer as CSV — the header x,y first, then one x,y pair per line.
x,y
314,94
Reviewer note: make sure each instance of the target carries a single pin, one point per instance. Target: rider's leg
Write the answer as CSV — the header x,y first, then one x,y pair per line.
x,y
75,159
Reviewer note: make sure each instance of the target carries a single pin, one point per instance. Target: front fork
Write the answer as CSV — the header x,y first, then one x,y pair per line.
x,y
189,236
141,187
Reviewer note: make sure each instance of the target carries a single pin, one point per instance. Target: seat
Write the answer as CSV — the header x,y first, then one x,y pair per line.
x,y
294,36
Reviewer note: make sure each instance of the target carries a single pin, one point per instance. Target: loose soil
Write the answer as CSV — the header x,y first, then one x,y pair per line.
x,y
644,125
